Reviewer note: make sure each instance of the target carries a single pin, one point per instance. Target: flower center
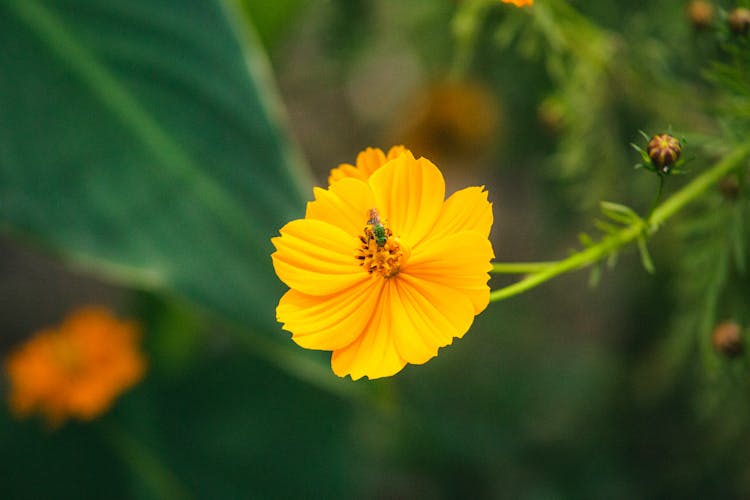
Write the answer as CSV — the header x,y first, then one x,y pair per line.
x,y
381,252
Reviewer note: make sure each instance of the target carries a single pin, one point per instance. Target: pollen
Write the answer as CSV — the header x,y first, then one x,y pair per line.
x,y
381,252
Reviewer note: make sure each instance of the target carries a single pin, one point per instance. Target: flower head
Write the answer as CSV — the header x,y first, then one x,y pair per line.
x,y
368,161
700,13
739,21
663,154
727,339
664,150
76,370
519,3
385,271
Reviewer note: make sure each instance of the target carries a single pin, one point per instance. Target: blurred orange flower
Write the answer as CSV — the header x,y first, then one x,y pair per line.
x,y
76,370
385,271
368,161
519,3
451,120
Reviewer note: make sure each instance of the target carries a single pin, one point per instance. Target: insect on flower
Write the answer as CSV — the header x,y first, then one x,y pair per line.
x,y
384,271
377,228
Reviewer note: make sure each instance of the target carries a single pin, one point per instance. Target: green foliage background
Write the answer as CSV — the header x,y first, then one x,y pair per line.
x,y
150,149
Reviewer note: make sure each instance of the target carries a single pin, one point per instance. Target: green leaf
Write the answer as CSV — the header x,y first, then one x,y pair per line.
x,y
595,276
605,227
619,213
646,260
141,139
271,19
585,239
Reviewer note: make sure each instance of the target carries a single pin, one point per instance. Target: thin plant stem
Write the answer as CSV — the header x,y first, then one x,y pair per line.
x,y
630,233
466,28
659,192
520,267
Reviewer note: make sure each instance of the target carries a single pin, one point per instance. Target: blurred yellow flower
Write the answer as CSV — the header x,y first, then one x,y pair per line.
x,y
385,271
451,120
519,3
368,161
76,370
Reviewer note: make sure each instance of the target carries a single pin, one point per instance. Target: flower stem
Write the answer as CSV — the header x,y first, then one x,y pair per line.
x,y
613,242
466,28
657,197
520,267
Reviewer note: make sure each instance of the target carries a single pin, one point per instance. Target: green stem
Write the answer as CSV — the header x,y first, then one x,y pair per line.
x,y
466,27
520,267
657,197
630,233
580,36
575,261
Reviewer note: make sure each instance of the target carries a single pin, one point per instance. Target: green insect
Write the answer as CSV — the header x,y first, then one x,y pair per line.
x,y
378,230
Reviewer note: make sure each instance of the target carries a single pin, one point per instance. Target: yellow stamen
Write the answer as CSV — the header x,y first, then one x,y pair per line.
x,y
384,259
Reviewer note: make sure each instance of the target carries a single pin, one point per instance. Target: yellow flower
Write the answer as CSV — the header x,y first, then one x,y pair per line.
x,y
368,161
385,271
451,120
519,3
76,370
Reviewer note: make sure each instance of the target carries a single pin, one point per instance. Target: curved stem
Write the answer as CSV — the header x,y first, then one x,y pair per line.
x,y
576,261
611,243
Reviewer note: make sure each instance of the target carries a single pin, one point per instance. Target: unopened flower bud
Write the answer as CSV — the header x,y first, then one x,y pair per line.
x,y
664,150
727,339
700,13
739,21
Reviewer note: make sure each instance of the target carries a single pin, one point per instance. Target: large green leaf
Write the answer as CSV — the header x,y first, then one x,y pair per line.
x,y
140,138
272,19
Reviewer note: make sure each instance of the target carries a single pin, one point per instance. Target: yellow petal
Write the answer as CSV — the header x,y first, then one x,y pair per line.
x,y
344,171
426,316
329,322
465,210
409,194
395,152
460,261
345,204
316,258
374,353
368,161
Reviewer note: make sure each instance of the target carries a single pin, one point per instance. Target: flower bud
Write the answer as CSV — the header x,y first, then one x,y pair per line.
x,y
727,339
700,13
664,150
739,21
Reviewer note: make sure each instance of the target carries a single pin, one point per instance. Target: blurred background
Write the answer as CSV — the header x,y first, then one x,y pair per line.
x,y
149,150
